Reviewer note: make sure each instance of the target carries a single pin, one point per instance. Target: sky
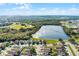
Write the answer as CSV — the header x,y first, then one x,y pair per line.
x,y
39,9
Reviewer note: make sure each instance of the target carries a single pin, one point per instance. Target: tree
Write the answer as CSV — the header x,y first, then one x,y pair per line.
x,y
33,43
23,51
72,40
44,42
50,52
22,30
53,52
33,51
37,43
7,44
60,40
3,47
66,54
40,41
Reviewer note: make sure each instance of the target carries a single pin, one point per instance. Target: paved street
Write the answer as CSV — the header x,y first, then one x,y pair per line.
x,y
73,48
69,51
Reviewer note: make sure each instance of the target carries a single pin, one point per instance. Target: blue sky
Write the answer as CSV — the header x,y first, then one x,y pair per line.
x,y
39,9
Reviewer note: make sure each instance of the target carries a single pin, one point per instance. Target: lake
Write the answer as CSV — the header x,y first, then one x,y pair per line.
x,y
50,32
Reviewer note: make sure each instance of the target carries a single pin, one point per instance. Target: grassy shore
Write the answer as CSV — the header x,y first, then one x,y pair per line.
x,y
47,40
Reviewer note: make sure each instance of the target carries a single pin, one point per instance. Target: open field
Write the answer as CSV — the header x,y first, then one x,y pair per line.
x,y
18,26
47,40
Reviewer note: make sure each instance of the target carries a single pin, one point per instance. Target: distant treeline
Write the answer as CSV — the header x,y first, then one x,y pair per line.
x,y
4,19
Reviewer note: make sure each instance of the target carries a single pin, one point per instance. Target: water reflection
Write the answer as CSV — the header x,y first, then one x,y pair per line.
x,y
50,32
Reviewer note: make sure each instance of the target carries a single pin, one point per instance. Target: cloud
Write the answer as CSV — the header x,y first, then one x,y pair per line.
x,y
26,9
58,11
43,11
22,6
20,9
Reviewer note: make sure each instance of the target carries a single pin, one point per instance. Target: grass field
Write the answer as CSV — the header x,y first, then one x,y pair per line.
x,y
77,40
19,26
47,40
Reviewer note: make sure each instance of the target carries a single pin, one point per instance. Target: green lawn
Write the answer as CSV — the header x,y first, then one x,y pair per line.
x,y
19,26
77,40
47,40
51,41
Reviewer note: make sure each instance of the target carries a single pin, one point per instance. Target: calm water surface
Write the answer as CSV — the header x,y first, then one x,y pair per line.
x,y
50,32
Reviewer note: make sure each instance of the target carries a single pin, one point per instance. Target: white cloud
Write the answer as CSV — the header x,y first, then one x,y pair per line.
x,y
20,9
58,11
25,9
43,9
22,6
